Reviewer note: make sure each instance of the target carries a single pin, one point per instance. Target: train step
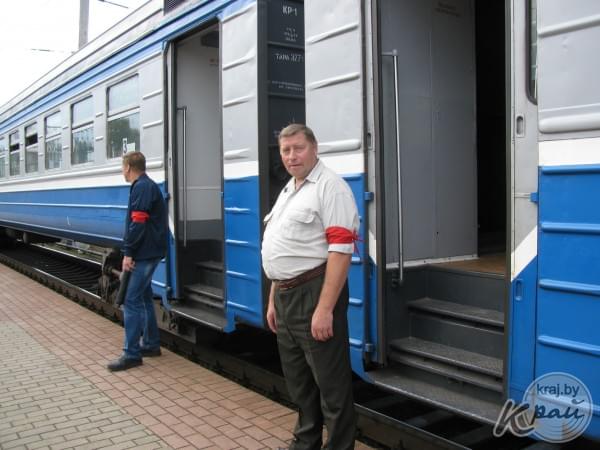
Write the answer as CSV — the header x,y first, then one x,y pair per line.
x,y
469,288
216,266
448,370
194,312
203,290
459,311
412,383
453,356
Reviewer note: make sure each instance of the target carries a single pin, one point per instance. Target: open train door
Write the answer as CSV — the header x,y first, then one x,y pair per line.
x,y
335,111
523,213
241,187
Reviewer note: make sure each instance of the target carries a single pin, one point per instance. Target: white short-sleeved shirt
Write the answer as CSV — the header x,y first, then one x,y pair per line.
x,y
295,237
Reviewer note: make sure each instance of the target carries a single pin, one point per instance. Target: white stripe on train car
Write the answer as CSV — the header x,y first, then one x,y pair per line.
x,y
569,152
234,170
345,164
92,177
524,253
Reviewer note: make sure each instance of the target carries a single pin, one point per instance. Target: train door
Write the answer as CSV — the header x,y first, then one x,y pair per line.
x,y
443,152
524,210
241,119
198,177
335,110
568,285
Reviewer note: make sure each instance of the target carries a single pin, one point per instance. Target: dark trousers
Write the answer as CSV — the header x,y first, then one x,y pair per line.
x,y
318,374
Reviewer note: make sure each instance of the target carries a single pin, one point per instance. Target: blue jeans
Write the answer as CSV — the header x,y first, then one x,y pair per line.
x,y
138,310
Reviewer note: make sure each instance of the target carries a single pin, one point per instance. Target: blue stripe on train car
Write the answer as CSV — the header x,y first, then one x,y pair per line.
x,y
568,305
243,275
93,215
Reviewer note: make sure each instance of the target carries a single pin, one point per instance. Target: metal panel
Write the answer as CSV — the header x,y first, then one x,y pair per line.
x,y
568,41
335,111
436,89
569,186
239,84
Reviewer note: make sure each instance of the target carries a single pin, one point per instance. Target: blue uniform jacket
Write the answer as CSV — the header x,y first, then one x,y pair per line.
x,y
146,221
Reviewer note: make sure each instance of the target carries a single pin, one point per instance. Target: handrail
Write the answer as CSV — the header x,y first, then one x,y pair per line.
x,y
394,55
183,109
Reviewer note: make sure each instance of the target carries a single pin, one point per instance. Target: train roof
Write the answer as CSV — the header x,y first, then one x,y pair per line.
x,y
140,22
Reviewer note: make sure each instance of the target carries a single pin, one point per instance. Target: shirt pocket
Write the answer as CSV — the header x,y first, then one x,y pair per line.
x,y
300,225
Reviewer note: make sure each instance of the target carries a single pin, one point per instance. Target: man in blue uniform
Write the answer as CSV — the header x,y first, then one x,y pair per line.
x,y
144,245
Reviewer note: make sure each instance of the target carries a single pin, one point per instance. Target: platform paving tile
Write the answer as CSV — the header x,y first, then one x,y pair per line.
x,y
55,390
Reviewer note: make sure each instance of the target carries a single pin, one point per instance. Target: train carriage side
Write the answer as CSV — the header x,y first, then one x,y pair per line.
x,y
466,281
61,173
566,338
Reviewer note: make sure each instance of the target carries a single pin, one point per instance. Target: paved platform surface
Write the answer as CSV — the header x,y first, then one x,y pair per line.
x,y
56,393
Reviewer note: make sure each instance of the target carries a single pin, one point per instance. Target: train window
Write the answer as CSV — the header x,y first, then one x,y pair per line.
x,y
14,146
52,130
123,126
532,51
3,149
31,148
82,117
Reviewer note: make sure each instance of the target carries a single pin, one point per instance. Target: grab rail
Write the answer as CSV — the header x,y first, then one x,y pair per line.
x,y
394,55
183,109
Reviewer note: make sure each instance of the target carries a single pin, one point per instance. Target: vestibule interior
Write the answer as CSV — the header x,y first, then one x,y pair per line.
x,y
198,152
444,116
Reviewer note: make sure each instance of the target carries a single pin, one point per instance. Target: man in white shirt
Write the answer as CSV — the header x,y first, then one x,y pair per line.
x,y
307,249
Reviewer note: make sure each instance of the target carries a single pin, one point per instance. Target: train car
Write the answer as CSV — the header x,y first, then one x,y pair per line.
x,y
467,129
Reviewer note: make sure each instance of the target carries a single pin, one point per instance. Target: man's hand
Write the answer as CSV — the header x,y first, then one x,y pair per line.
x,y
271,320
128,264
322,324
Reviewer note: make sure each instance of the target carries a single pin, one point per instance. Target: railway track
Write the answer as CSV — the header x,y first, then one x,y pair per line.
x,y
386,420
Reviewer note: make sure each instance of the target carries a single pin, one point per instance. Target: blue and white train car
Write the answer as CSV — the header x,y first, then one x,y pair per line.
x,y
468,131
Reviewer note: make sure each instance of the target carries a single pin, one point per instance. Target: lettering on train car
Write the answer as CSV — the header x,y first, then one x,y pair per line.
x,y
286,71
286,22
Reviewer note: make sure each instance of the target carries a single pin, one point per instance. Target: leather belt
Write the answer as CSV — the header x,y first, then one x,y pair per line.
x,y
302,278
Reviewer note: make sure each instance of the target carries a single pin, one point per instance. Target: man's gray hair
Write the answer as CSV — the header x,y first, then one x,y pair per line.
x,y
295,128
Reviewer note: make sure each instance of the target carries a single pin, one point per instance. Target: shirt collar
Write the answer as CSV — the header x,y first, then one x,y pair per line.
x,y
315,173
313,176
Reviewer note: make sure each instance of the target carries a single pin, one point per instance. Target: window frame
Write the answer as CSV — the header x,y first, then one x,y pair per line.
x,y
51,137
530,81
120,113
3,154
28,148
82,126
13,151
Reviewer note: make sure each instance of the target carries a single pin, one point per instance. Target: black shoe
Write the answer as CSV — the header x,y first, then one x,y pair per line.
x,y
123,363
150,352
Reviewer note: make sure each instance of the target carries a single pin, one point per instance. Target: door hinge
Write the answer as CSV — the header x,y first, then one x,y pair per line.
x,y
369,196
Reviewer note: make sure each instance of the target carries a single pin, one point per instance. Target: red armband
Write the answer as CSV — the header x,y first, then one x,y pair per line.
x,y
139,216
340,235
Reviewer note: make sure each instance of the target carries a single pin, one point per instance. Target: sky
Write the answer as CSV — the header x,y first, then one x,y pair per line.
x,y
36,35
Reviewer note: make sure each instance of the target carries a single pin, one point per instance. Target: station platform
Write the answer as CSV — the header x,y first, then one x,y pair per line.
x,y
56,393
